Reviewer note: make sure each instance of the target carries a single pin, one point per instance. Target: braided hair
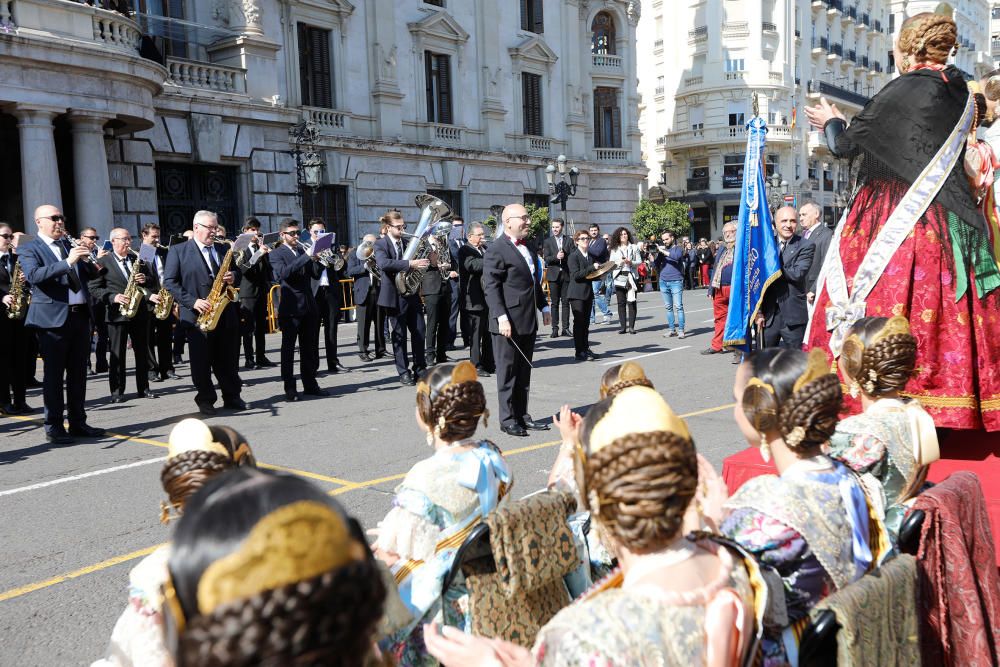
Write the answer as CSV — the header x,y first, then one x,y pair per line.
x,y
328,619
451,409
639,485
811,412
883,367
928,37
622,376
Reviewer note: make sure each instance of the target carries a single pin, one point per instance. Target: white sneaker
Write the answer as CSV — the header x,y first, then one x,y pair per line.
x,y
681,334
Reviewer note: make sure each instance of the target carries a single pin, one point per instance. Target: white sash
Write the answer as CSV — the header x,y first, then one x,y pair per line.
x,y
847,307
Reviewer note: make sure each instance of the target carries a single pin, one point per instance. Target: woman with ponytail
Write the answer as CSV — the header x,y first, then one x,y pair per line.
x,y
439,502
196,453
813,522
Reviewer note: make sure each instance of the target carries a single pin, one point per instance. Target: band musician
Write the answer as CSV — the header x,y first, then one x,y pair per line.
x,y
556,250
514,296
436,289
60,314
191,271
12,333
366,286
161,332
329,299
470,258
255,268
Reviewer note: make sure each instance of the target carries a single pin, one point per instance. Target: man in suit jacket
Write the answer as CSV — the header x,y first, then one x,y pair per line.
x,y
580,293
405,312
470,259
514,295
160,332
254,288
366,289
436,291
60,314
298,311
109,288
458,319
329,299
785,313
815,232
89,238
555,251
15,342
190,272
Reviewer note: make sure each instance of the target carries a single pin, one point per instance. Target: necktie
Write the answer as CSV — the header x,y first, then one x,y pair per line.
x,y
74,277
399,250
213,265
127,263
806,235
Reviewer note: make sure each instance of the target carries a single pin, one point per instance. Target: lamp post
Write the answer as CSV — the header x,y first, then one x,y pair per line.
x,y
561,191
308,164
776,191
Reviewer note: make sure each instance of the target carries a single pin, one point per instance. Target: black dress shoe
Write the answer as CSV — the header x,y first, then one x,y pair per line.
x,y
32,383
530,423
580,356
621,331
148,394
379,354
22,409
91,371
172,375
711,350
102,368
483,373
85,431
264,362
514,429
338,367
291,396
249,365
407,379
178,358
117,398
154,377
589,354
59,438
238,404
364,356
554,334
316,391
207,409
632,331
566,333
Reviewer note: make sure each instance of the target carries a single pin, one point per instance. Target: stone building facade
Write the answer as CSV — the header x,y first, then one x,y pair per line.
x,y
130,112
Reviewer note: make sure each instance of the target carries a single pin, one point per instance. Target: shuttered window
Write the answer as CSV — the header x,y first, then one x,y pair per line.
x,y
531,102
438,80
607,119
315,73
531,16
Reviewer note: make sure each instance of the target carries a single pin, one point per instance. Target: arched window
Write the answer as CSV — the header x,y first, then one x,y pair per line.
x,y
603,34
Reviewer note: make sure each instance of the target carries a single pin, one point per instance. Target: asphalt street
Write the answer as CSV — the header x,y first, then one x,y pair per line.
x,y
77,518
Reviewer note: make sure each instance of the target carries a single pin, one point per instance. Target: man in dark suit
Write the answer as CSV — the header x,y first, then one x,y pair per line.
x,y
109,288
254,287
580,293
298,312
405,313
458,319
815,232
785,314
470,259
329,299
365,303
161,332
555,251
189,275
436,291
514,296
12,386
89,238
60,314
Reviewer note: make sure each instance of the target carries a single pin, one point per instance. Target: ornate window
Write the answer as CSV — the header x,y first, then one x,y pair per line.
x,y
437,73
315,72
531,102
607,118
603,34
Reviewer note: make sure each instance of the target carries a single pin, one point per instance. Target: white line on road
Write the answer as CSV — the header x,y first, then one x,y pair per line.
x,y
74,478
643,356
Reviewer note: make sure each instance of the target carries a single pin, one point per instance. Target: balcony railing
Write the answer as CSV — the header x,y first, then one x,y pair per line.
x,y
696,184
767,26
611,154
720,135
837,49
775,77
698,34
328,120
606,61
73,21
447,133
658,43
693,81
735,28
206,76
824,88
659,90
735,76
539,145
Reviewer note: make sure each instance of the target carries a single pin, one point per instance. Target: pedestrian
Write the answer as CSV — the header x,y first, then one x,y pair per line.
x,y
599,254
669,264
627,256
784,310
705,260
720,284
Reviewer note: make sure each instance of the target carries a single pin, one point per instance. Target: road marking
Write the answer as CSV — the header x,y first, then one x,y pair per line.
x,y
159,443
349,486
73,478
643,356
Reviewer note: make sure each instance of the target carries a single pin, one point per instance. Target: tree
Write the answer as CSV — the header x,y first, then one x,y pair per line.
x,y
652,219
537,228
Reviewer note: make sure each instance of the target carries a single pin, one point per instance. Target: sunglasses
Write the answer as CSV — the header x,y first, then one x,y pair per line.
x,y
54,218
92,238
292,232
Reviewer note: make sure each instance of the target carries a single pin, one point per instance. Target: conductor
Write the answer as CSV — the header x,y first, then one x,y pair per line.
x,y
514,296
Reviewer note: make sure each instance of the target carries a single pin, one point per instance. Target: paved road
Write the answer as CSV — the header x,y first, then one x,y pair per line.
x,y
76,518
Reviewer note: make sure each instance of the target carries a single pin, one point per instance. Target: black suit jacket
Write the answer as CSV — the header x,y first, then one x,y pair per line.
x,y
50,287
5,277
786,297
473,289
511,289
819,237
362,279
556,269
385,258
335,291
257,279
579,285
295,272
112,282
187,277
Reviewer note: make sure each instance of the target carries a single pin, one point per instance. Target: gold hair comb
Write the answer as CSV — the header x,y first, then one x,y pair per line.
x,y
895,326
757,382
816,367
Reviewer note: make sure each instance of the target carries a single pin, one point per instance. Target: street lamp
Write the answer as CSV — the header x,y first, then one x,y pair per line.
x,y
776,191
308,163
561,191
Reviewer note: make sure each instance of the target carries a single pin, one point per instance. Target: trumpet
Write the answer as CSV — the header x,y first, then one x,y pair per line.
x,y
329,258
366,253
75,243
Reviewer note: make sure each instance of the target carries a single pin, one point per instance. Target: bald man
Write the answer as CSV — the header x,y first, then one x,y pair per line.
x,y
108,289
784,309
512,277
60,314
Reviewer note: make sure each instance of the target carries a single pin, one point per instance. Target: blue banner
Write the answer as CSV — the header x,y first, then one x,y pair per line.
x,y
755,262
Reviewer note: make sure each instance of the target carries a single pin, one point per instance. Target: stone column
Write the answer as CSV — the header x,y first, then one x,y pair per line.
x,y
39,169
91,182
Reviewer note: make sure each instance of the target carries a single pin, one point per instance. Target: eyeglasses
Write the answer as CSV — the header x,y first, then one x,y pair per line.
x,y
403,226
6,236
213,228
523,218
92,238
291,232
53,218
121,238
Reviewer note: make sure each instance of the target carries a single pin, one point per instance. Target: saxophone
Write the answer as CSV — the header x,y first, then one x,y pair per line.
x,y
220,296
20,293
434,212
133,292
162,310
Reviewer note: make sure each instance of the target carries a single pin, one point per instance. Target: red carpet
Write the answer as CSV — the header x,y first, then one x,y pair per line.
x,y
976,451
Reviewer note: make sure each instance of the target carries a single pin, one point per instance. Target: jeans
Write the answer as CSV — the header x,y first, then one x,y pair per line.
x,y
672,292
602,290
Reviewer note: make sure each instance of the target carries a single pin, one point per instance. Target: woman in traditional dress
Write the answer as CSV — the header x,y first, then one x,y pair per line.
x,y
893,441
439,502
914,241
267,569
627,256
673,601
811,522
196,453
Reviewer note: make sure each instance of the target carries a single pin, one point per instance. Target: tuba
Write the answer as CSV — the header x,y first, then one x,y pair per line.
x,y
433,212
20,294
366,254
220,296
